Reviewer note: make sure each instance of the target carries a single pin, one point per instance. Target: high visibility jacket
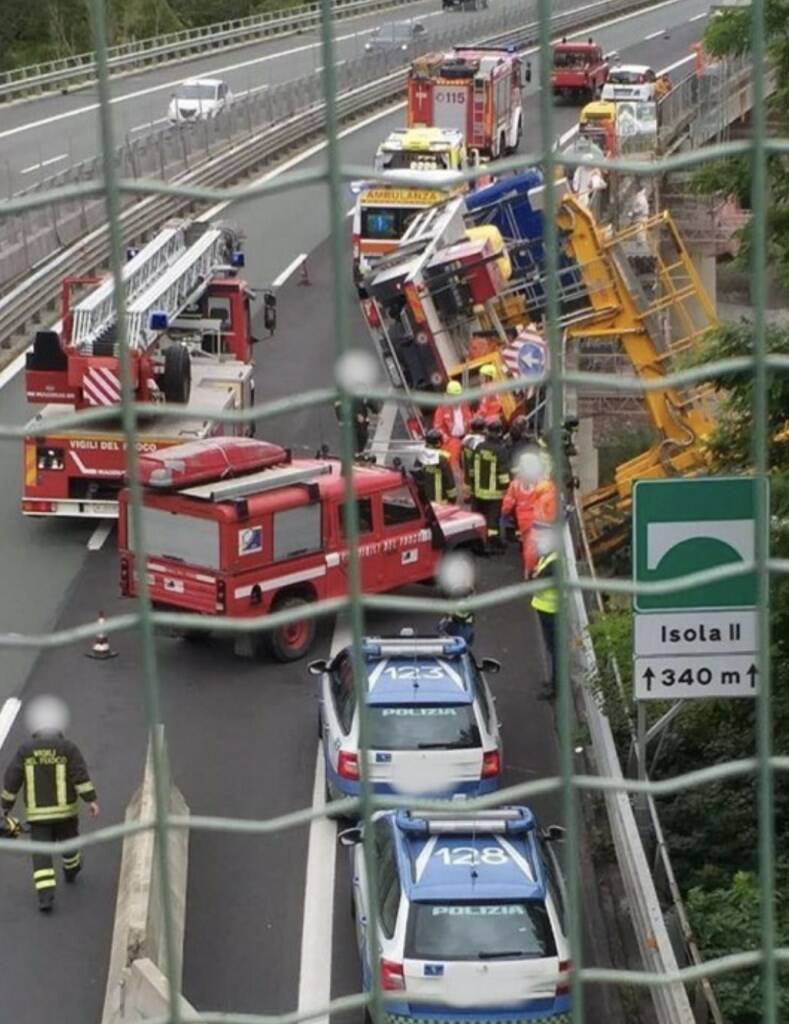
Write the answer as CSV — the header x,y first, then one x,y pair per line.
x,y
444,420
53,773
491,473
490,407
470,444
520,500
436,476
546,600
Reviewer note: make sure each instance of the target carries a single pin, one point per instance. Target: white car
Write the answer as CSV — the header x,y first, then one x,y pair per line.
x,y
630,82
199,99
470,916
431,722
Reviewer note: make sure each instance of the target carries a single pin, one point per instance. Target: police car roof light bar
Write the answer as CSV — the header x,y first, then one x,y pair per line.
x,y
256,483
407,646
502,821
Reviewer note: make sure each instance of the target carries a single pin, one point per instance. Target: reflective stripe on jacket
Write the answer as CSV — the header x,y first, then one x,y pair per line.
x,y
491,476
546,600
54,775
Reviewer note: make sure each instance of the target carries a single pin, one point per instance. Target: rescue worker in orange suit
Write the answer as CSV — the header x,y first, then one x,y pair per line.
x,y
53,773
471,442
453,421
490,480
519,503
433,470
490,404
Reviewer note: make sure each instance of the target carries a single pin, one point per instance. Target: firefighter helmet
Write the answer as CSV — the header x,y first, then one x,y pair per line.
x,y
494,427
454,388
433,438
519,429
478,424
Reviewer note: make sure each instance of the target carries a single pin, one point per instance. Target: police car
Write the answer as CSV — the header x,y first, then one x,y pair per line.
x,y
431,720
470,916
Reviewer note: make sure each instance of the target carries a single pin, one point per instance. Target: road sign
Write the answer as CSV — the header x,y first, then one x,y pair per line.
x,y
685,526
532,358
699,642
685,677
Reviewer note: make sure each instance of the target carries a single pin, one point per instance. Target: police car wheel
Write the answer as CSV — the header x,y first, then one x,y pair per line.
x,y
291,642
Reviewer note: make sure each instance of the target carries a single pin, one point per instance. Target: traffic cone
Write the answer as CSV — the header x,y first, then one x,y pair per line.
x,y
100,648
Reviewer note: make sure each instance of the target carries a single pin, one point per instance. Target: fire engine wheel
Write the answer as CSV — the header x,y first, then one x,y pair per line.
x,y
177,376
291,642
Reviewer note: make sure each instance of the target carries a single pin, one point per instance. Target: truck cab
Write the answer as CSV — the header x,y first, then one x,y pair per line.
x,y
423,149
238,527
579,69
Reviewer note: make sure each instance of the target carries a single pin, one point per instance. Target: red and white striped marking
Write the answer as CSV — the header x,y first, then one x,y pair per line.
x,y
510,352
101,386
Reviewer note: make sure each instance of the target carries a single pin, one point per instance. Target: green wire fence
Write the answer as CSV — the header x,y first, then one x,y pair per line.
x,y
570,785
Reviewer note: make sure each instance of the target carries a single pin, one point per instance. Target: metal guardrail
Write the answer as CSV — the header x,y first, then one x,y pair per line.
x,y
254,132
80,69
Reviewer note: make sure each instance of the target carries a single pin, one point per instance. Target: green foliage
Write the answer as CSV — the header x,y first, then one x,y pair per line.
x,y
726,920
41,30
612,638
728,34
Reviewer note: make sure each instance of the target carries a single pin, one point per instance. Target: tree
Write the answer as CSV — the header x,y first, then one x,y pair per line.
x,y
729,34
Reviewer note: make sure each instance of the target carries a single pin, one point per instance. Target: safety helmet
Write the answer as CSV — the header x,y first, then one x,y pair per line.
x,y
454,388
494,427
433,438
478,423
487,370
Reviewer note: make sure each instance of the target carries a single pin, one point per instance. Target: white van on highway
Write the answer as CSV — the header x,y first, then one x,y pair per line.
x,y
630,82
199,99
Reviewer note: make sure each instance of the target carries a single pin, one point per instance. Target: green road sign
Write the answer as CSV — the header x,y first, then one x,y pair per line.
x,y
685,526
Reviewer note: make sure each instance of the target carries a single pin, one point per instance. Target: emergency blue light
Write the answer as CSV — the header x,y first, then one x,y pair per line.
x,y
158,320
237,259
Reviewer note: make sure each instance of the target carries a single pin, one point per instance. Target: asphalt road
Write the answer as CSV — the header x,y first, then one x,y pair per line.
x,y
241,734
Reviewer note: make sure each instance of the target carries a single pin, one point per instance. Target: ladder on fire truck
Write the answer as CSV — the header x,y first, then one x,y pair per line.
x,y
161,280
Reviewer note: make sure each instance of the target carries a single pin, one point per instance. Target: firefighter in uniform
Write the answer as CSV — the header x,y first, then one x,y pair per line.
x,y
54,775
546,603
490,479
459,623
362,410
453,422
434,470
471,442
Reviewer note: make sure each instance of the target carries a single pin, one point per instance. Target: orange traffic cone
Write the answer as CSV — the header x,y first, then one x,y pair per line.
x,y
100,648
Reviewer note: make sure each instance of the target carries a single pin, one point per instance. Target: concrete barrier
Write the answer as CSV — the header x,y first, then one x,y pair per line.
x,y
145,995
139,933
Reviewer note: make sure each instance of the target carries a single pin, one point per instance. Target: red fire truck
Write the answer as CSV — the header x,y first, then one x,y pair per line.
x,y
237,527
580,70
477,91
190,343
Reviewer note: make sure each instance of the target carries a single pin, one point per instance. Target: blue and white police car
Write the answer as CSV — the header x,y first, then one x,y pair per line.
x,y
470,917
430,719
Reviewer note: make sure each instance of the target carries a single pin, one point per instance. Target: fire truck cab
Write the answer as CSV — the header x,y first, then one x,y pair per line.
x,y
238,527
189,336
477,91
579,69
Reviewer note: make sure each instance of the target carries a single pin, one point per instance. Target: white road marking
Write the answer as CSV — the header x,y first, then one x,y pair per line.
x,y
337,64
8,717
350,213
654,35
100,534
44,163
318,922
294,265
677,64
698,17
12,369
148,124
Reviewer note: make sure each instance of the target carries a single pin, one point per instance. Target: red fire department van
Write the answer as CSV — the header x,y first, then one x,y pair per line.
x,y
477,91
188,326
580,70
237,527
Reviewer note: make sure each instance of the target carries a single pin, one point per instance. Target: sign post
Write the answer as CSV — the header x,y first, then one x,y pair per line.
x,y
699,641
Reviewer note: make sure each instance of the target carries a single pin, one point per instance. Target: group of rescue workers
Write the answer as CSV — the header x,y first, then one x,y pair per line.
x,y
505,473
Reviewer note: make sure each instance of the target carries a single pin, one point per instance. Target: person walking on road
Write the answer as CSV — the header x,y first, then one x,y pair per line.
x,y
453,422
53,774
546,604
491,477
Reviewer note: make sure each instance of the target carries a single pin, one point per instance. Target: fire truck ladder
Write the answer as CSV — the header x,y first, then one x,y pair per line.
x,y
168,276
95,314
257,483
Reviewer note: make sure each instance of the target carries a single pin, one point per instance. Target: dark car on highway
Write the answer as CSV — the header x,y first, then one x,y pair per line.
x,y
396,35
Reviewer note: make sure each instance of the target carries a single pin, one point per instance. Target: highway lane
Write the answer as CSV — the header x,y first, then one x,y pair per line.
x,y
45,137
262,717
